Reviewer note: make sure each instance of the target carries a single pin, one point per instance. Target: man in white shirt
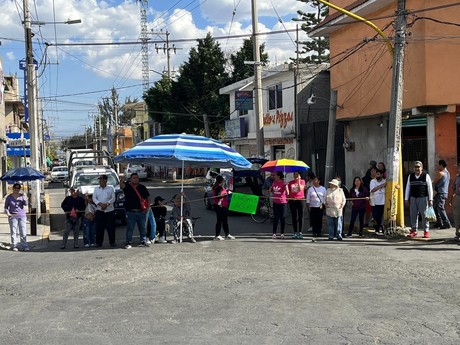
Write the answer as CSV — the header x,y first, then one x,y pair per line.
x,y
104,197
377,189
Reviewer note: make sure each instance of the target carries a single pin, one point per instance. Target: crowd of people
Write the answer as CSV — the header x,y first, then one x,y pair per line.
x,y
306,198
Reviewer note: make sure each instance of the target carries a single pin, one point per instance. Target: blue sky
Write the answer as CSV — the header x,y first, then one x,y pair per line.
x,y
75,78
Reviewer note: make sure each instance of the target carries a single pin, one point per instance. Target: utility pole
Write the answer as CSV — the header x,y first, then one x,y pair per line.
x,y
394,126
329,171
258,111
33,124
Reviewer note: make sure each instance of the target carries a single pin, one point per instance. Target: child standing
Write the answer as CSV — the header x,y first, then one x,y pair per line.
x,y
89,223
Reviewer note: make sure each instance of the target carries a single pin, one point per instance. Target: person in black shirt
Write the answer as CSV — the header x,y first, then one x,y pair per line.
x,y
74,207
159,212
134,192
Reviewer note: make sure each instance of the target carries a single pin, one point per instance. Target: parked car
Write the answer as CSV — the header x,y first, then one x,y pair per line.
x,y
140,169
248,181
59,174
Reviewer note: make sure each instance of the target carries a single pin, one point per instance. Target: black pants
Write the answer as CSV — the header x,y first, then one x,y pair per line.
x,y
279,214
296,207
316,220
354,215
222,219
105,220
160,229
377,214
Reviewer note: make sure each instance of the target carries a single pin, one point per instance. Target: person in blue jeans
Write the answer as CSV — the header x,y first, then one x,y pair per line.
x,y
335,202
89,223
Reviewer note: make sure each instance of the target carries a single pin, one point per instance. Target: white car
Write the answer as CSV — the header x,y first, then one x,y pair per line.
x,y
140,169
59,174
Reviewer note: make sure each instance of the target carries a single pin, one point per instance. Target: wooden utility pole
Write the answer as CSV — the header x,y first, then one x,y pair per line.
x,y
394,126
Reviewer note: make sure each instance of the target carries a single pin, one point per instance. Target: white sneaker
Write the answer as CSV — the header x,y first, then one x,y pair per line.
x,y
192,239
15,249
147,242
219,238
230,237
162,240
128,246
174,242
86,245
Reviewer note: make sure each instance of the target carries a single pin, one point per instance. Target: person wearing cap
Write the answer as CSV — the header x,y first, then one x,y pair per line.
x,y
419,195
74,207
377,195
159,212
441,186
134,191
15,210
103,198
335,202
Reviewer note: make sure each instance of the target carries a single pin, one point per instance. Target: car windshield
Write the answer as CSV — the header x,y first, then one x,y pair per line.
x,y
60,169
86,179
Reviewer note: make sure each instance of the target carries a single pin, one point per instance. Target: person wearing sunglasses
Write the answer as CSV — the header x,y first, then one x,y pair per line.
x,y
15,204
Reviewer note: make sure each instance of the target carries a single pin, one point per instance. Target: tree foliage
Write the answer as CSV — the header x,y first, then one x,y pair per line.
x,y
315,50
246,53
180,104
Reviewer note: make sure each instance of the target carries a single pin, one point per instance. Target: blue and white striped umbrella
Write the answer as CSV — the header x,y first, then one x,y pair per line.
x,y
180,150
183,149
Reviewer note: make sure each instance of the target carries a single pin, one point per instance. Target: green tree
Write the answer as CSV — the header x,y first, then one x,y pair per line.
x,y
315,50
126,113
246,53
181,104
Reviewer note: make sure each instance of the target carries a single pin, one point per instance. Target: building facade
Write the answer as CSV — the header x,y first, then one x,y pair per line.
x,y
289,123
361,72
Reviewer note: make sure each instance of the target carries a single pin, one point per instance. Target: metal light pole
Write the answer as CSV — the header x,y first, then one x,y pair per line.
x,y
257,83
33,128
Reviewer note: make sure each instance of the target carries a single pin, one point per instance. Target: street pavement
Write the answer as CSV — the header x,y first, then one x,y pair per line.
x,y
252,290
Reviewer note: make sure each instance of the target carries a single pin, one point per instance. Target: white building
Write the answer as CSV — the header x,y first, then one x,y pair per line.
x,y
281,90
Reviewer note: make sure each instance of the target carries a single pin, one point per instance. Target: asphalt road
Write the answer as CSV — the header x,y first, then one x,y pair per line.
x,y
249,291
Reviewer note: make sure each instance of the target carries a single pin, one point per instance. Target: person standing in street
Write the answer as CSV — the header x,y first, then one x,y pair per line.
x,y
279,191
316,199
296,196
74,207
135,192
441,186
220,198
377,195
359,197
159,213
335,202
455,201
419,195
15,210
89,223
104,197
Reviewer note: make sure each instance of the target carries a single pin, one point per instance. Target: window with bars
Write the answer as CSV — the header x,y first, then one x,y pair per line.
x,y
275,97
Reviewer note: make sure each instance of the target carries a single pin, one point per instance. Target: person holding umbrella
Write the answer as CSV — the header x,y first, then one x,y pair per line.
x,y
296,189
279,190
14,209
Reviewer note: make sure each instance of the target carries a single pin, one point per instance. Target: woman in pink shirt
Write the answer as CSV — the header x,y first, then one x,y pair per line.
x,y
296,195
279,190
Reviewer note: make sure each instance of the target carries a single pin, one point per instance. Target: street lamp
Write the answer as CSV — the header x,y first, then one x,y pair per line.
x,y
68,21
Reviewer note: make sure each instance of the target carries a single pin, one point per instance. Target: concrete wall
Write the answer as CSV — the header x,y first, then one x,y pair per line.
x,y
370,142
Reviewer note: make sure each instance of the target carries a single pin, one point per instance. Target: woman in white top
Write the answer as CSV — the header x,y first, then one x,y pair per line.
x,y
335,202
316,198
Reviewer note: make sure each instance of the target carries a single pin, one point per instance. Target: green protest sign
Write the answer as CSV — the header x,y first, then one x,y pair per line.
x,y
244,203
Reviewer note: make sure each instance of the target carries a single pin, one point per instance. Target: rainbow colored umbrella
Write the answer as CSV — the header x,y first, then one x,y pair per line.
x,y
285,165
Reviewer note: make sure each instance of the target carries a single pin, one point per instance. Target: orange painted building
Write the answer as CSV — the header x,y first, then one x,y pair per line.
x,y
361,72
